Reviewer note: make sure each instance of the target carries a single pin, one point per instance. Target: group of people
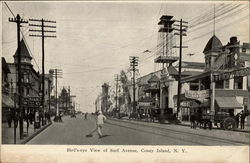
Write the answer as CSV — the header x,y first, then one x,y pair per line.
x,y
240,119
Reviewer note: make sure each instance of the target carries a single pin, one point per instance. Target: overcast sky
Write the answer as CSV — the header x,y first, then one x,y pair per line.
x,y
95,39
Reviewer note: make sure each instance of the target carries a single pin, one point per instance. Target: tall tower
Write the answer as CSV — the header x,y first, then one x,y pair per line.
x,y
165,41
25,55
211,52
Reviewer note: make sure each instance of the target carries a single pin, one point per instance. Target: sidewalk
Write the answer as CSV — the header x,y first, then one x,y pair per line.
x,y
187,124
8,133
246,129
221,135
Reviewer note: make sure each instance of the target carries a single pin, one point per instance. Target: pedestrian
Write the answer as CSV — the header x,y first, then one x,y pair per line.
x,y
237,119
99,125
86,116
242,120
9,118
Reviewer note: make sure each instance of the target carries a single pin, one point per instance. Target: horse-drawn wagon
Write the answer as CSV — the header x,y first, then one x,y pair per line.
x,y
220,119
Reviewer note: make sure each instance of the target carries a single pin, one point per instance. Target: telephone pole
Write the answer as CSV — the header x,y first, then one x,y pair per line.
x,y
116,90
181,33
42,30
57,73
19,21
133,65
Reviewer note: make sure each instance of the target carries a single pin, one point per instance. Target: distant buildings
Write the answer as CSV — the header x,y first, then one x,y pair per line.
x,y
205,86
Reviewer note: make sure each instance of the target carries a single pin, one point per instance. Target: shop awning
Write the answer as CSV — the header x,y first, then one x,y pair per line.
x,y
7,102
228,103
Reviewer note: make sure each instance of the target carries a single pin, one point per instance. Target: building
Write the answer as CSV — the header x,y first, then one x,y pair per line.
x,y
222,86
157,90
65,102
30,82
105,96
8,104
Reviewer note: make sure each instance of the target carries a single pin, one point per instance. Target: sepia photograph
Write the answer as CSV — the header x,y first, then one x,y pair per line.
x,y
170,75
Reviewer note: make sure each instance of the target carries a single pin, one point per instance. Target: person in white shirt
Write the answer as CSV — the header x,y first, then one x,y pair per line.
x,y
99,124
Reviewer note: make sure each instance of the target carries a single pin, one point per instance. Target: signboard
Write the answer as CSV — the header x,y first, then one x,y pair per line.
x,y
32,101
197,95
144,103
232,74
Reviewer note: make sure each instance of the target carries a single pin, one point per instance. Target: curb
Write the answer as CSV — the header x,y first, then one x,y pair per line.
x,y
35,134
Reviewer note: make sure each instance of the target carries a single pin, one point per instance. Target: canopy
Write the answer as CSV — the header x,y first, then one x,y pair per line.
x,y
7,101
228,103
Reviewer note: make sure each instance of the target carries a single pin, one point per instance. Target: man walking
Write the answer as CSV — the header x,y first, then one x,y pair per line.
x,y
99,125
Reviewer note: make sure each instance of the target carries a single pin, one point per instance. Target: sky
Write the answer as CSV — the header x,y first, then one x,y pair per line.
x,y
95,39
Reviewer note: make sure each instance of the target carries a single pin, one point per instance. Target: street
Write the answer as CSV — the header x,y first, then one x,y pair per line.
x,y
73,131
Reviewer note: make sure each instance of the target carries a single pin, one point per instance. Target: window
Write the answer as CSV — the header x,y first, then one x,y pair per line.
x,y
194,86
219,84
238,82
226,84
244,50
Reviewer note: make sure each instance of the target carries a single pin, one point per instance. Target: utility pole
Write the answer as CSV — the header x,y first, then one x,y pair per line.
x,y
57,73
116,90
181,33
133,65
42,26
19,21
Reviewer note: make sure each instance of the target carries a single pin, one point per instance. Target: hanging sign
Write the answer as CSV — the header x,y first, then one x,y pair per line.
x,y
197,95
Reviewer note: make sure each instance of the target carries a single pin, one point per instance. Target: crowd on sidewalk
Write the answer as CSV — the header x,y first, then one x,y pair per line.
x,y
30,127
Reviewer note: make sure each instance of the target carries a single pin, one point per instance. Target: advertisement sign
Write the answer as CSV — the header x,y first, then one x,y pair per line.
x,y
144,103
31,101
197,95
232,74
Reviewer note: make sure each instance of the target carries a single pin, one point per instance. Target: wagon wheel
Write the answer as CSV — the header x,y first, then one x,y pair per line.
x,y
229,124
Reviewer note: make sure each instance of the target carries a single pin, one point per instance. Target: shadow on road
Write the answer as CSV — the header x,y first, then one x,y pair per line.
x,y
90,135
105,136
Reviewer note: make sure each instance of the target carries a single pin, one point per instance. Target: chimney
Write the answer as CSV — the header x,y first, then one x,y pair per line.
x,y
233,40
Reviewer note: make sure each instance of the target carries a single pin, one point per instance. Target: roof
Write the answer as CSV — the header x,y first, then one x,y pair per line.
x,y
153,78
227,102
144,79
190,73
194,65
213,45
196,76
172,70
230,93
24,50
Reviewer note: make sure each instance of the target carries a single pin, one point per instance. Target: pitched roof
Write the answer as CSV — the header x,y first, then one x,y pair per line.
x,y
172,70
153,78
24,50
213,45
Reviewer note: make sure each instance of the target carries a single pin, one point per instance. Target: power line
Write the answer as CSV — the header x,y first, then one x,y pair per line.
x,y
9,9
